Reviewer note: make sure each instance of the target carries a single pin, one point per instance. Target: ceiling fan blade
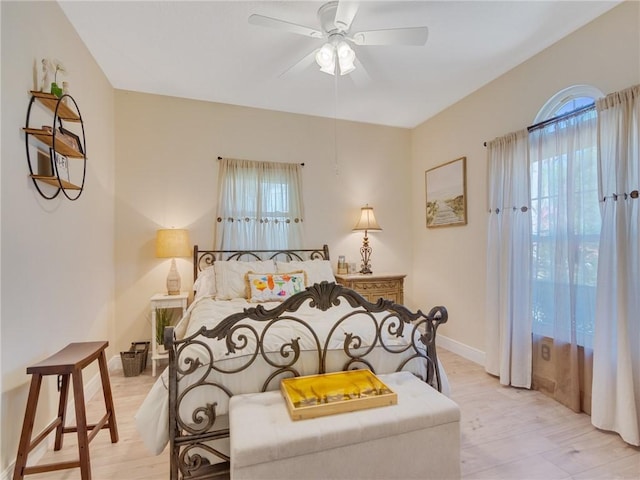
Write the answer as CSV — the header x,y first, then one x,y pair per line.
x,y
345,14
302,64
360,76
394,36
263,21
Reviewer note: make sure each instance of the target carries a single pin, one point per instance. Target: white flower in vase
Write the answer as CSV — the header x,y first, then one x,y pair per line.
x,y
57,67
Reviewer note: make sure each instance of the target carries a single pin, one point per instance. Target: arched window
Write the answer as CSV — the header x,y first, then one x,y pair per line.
x,y
565,215
568,100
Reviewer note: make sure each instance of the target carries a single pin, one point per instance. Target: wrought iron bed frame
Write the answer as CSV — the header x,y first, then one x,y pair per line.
x,y
188,436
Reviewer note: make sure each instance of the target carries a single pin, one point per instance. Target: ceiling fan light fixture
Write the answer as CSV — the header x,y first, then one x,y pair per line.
x,y
335,19
346,58
326,59
331,69
346,67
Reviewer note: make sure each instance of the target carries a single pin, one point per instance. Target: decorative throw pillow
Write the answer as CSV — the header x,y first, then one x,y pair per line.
x,y
316,270
230,277
274,287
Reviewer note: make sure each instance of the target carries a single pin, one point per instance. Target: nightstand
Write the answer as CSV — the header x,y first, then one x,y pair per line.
x,y
161,300
374,286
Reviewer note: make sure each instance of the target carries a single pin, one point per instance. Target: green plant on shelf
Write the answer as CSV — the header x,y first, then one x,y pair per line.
x,y
56,66
164,317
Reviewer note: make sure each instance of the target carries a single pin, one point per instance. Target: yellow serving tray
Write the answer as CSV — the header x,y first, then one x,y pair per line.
x,y
330,393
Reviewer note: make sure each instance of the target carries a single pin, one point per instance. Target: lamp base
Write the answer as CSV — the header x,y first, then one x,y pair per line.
x,y
173,279
365,253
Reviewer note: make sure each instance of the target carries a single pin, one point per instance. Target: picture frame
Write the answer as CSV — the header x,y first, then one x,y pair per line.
x,y
446,194
61,165
45,165
73,139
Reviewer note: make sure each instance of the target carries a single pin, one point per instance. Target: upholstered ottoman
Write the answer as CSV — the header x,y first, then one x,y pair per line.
x,y
417,438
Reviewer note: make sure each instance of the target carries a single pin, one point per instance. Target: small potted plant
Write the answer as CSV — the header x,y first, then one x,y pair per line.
x,y
57,66
164,317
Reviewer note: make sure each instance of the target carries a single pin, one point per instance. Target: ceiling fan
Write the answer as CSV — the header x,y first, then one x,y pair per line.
x,y
337,53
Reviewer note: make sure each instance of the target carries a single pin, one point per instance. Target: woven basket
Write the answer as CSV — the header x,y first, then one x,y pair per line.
x,y
143,348
132,363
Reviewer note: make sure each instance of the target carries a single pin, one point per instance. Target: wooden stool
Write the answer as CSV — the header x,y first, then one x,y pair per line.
x,y
68,361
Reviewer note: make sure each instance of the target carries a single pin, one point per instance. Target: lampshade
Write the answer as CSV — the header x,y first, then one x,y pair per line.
x,y
367,220
326,58
172,242
346,58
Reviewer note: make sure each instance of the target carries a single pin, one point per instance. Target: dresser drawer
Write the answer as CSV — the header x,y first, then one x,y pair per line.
x,y
372,287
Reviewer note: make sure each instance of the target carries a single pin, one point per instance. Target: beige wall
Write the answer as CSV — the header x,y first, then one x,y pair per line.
x,y
166,150
64,263
57,274
450,264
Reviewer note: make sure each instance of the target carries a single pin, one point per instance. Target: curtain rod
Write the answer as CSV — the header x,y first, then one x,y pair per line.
x,y
301,164
544,123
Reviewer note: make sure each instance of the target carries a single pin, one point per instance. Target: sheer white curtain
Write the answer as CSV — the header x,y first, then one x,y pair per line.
x,y
259,205
565,235
616,360
508,309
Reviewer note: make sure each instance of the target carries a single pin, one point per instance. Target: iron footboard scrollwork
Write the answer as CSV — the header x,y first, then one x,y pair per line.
x,y
282,342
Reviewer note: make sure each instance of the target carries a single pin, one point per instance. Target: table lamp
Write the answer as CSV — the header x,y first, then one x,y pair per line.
x,y
367,223
172,243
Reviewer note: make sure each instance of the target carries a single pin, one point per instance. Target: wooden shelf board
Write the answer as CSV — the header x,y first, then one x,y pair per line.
x,y
50,101
54,182
47,138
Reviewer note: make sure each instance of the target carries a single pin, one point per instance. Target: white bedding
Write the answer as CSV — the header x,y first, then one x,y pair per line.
x,y
152,417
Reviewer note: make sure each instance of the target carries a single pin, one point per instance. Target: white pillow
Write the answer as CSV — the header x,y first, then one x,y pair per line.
x,y
205,284
230,277
316,270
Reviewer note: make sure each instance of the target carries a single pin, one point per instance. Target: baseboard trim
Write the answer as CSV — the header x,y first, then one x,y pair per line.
x,y
91,387
470,353
114,364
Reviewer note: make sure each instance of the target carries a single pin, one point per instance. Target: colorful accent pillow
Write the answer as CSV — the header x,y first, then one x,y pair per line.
x,y
274,287
316,270
230,276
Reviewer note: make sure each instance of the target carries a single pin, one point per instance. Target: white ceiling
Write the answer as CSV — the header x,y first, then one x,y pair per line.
x,y
207,50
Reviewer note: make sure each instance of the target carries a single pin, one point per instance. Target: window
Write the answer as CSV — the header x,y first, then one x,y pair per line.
x,y
565,216
259,205
568,100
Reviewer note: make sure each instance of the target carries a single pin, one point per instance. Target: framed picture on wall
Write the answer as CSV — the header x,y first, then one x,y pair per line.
x,y
71,139
61,165
446,194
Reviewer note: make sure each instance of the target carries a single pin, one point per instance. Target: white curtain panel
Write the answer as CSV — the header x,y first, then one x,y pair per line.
x,y
259,205
508,307
566,227
616,359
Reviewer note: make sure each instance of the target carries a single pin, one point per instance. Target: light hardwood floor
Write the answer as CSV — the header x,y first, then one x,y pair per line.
x,y
506,434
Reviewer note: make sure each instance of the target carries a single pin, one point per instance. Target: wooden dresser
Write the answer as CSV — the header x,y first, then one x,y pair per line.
x,y
374,286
